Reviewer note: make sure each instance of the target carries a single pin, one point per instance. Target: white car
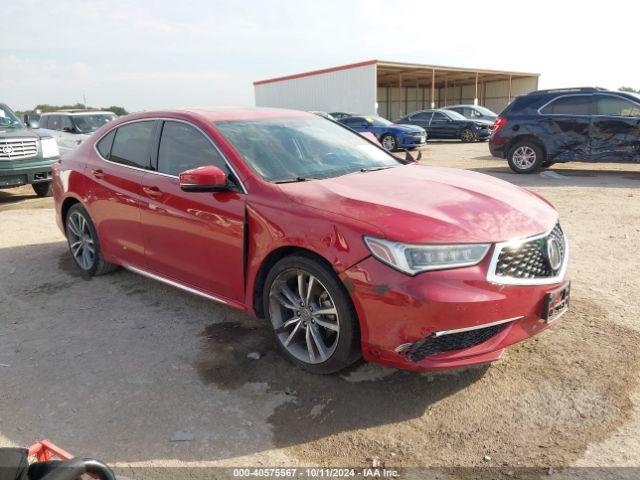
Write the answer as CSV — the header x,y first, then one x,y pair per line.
x,y
71,127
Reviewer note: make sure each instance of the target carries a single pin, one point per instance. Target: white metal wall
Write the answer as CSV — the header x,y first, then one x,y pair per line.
x,y
493,95
350,90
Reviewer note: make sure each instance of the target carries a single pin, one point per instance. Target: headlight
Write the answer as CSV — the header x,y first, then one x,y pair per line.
x,y
413,259
49,148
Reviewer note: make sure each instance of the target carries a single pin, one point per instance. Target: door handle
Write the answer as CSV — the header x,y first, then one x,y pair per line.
x,y
97,173
153,192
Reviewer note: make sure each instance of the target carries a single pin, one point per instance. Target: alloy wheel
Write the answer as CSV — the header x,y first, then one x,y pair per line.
x,y
467,136
81,241
304,316
524,157
389,143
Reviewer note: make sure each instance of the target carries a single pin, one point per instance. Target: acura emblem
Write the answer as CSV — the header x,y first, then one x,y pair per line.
x,y
554,253
7,149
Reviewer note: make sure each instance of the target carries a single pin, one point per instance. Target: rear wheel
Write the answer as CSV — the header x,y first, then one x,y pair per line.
x,y
525,157
467,136
43,189
389,142
84,244
311,315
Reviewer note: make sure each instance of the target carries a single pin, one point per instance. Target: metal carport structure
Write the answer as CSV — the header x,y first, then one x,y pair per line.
x,y
393,89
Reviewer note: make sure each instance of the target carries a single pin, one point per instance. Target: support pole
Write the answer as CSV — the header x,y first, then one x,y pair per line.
x,y
401,96
509,88
445,91
433,88
475,96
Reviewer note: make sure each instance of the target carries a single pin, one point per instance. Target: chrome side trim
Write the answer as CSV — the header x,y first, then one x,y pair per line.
x,y
174,284
476,327
493,278
226,161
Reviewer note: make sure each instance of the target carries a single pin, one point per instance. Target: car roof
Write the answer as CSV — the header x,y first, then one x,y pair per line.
x,y
78,112
218,114
460,105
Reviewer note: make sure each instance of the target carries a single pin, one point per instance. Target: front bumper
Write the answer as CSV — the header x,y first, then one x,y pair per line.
x,y
396,311
25,172
483,133
411,141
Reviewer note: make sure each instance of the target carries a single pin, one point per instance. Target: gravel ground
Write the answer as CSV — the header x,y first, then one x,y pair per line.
x,y
136,373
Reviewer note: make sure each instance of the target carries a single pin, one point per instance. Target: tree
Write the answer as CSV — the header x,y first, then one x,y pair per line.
x,y
629,89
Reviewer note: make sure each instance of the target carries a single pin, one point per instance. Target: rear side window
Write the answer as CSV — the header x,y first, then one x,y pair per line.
x,y
425,116
104,145
182,148
131,145
439,117
571,105
616,107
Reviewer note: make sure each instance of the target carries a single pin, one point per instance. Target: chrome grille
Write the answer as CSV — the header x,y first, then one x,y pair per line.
x,y
17,148
528,261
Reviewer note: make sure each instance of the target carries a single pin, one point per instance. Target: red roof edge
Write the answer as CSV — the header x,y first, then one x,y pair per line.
x,y
316,72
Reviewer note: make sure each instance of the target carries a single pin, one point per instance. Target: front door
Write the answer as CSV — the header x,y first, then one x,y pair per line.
x,y
567,121
615,129
193,238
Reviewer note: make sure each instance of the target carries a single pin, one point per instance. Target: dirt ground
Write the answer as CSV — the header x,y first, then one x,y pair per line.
x,y
121,367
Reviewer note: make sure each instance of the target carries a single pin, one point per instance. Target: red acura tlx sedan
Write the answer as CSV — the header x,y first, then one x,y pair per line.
x,y
345,250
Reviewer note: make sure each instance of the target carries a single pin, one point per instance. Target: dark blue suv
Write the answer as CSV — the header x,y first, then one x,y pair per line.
x,y
582,124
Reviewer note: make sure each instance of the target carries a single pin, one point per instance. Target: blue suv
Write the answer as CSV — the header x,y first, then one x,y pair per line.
x,y
581,124
390,135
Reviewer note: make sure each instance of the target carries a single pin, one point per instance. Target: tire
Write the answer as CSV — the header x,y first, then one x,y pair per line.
x,y
82,237
389,142
43,189
468,136
298,331
525,157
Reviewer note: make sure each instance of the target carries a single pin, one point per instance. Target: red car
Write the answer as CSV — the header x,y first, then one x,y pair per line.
x,y
344,249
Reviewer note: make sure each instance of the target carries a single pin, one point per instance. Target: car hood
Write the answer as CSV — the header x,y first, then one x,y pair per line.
x,y
424,204
21,133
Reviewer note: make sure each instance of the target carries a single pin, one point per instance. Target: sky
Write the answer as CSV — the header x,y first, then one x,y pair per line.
x,y
167,54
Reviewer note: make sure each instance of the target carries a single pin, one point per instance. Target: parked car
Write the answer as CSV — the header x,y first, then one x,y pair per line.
x,y
26,155
341,115
585,124
71,127
391,135
445,124
474,112
341,247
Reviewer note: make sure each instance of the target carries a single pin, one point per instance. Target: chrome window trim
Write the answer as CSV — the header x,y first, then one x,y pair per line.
x,y
493,278
565,114
165,119
173,283
476,327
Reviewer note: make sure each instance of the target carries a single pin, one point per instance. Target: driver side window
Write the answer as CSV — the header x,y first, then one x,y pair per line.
x,y
182,148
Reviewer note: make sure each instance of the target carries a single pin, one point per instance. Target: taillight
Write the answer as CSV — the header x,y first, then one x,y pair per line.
x,y
498,124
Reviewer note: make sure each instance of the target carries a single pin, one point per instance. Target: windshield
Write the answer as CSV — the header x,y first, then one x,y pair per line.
x,y
379,121
486,111
293,149
8,118
90,123
453,115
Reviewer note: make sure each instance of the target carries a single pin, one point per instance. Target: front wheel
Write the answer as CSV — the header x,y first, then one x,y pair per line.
x,y
525,157
43,189
389,142
311,314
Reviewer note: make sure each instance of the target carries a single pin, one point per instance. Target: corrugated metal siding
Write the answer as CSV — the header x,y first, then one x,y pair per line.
x,y
351,90
493,95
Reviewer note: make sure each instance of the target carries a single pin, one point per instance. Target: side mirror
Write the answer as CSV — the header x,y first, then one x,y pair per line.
x,y
69,130
204,179
33,124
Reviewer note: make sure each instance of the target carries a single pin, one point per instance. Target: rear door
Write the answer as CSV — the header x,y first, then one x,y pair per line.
x,y
566,124
114,179
615,129
421,119
193,238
